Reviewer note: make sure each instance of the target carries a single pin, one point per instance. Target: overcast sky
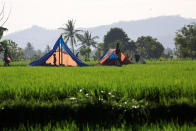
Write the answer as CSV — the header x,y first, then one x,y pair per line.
x,y
52,14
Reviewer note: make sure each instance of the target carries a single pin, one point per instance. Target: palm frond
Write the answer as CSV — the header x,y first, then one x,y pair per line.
x,y
95,37
62,28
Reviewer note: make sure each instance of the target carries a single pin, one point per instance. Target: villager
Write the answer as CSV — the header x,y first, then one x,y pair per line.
x,y
54,56
137,57
118,53
7,59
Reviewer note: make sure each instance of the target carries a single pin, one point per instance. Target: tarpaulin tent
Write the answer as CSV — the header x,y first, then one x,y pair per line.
x,y
66,57
111,58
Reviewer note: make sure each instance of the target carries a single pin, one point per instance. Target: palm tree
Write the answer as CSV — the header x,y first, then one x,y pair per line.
x,y
70,33
47,49
87,40
2,30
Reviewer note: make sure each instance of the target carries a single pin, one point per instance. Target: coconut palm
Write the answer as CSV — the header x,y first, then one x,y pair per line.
x,y
87,40
70,33
2,30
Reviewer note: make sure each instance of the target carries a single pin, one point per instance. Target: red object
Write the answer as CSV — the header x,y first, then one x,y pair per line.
x,y
105,61
8,58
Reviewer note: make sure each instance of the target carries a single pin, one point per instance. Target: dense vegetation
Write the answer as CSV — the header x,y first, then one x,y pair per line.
x,y
149,47
104,96
185,41
71,126
146,46
135,81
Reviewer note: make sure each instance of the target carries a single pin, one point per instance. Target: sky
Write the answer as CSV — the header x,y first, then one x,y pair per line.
x,y
52,14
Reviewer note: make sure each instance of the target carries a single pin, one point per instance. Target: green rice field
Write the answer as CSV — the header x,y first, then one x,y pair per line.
x,y
107,96
67,126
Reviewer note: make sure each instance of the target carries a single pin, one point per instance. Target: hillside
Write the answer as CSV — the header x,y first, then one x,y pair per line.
x,y
163,28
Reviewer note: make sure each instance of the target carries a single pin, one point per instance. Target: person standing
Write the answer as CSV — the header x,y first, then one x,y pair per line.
x,y
118,53
7,59
137,57
54,59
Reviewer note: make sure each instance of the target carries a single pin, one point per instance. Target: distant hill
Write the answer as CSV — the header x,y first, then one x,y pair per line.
x,y
163,28
39,37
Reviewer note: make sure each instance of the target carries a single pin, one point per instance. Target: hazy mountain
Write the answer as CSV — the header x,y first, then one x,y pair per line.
x,y
39,37
163,28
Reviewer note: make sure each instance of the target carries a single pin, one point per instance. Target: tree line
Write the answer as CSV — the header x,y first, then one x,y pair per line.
x,y
29,53
146,46
149,47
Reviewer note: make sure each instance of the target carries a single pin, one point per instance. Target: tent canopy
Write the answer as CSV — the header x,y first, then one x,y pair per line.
x,y
111,58
68,59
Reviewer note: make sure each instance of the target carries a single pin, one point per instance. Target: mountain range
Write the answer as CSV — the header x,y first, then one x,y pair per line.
x,y
163,28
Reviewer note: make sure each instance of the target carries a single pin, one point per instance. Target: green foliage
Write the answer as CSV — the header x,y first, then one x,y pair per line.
x,y
87,40
14,51
149,47
113,45
185,41
126,83
30,53
72,126
35,57
99,51
131,87
17,63
85,52
118,34
70,33
168,53
47,49
29,50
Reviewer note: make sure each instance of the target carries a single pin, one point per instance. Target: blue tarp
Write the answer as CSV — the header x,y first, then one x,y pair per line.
x,y
103,55
113,56
78,61
45,57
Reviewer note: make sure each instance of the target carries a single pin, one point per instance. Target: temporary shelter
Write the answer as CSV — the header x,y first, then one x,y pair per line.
x,y
111,58
63,56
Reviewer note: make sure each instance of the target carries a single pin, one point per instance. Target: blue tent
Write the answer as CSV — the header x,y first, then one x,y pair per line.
x,y
43,59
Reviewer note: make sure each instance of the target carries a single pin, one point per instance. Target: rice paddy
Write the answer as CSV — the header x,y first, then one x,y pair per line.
x,y
125,93
71,126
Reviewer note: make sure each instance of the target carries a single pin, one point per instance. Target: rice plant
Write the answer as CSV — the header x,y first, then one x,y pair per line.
x,y
157,85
